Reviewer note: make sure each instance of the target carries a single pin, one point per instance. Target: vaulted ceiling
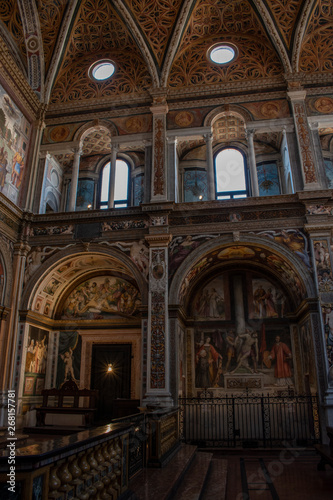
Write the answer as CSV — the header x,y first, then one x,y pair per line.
x,y
163,44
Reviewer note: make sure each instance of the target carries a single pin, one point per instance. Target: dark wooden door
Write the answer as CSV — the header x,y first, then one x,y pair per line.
x,y
114,384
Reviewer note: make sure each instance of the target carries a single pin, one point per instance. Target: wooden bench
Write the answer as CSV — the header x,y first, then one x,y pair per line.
x,y
326,451
66,400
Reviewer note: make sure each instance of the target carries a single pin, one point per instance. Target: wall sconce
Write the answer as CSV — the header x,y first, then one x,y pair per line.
x,y
89,206
200,197
109,370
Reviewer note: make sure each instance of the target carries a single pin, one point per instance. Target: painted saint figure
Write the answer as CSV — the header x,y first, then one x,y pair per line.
x,y
249,348
282,354
208,361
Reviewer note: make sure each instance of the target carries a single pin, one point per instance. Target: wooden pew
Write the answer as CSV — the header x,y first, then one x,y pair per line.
x,y
66,400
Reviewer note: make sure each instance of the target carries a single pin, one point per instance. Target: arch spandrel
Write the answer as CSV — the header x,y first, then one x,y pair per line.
x,y
59,274
255,252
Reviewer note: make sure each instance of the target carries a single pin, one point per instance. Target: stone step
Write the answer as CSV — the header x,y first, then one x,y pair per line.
x,y
216,484
194,480
162,484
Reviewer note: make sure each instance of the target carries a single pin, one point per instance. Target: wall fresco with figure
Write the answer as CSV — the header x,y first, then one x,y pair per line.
x,y
257,358
267,300
210,303
69,357
102,297
35,361
14,138
308,359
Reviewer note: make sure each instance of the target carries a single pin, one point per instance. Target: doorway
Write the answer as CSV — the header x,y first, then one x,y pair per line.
x,y
112,384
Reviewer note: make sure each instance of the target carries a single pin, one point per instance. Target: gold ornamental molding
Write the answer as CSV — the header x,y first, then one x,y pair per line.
x,y
158,240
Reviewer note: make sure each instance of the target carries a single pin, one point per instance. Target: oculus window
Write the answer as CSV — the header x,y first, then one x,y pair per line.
x,y
101,70
230,175
222,53
121,187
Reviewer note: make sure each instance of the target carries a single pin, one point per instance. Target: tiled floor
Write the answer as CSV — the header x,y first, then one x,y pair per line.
x,y
277,476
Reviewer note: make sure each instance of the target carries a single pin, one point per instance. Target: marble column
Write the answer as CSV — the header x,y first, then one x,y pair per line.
x,y
304,140
112,178
252,163
74,180
173,184
210,166
158,339
159,178
147,171
239,305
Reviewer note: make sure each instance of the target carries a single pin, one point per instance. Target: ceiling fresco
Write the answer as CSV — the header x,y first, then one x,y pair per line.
x,y
285,14
156,44
164,44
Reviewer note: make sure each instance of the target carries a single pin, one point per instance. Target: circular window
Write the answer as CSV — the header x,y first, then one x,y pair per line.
x,y
222,53
102,70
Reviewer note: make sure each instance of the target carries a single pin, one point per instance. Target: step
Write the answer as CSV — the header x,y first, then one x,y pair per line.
x,y
194,480
216,484
161,484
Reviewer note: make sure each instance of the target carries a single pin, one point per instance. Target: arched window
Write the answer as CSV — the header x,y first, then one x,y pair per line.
x,y
230,178
121,188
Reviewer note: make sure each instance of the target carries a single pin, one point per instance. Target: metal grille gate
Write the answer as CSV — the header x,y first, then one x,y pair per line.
x,y
250,421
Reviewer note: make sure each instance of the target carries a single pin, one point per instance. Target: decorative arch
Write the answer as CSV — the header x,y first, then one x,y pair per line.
x,y
300,32
266,253
34,45
89,127
49,283
221,111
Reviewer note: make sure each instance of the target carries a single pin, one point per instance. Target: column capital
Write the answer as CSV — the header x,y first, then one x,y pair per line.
x,y
158,240
208,137
21,249
159,109
313,125
250,132
172,140
297,95
77,150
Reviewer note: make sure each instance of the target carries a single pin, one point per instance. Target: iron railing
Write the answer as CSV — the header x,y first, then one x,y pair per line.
x,y
250,420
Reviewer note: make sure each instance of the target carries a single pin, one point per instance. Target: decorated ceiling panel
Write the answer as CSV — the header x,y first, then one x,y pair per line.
x,y
228,128
317,48
50,16
285,14
156,19
11,17
224,21
99,33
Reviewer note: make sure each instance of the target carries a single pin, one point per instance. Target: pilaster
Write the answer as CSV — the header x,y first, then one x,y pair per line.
x,y
158,339
159,179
